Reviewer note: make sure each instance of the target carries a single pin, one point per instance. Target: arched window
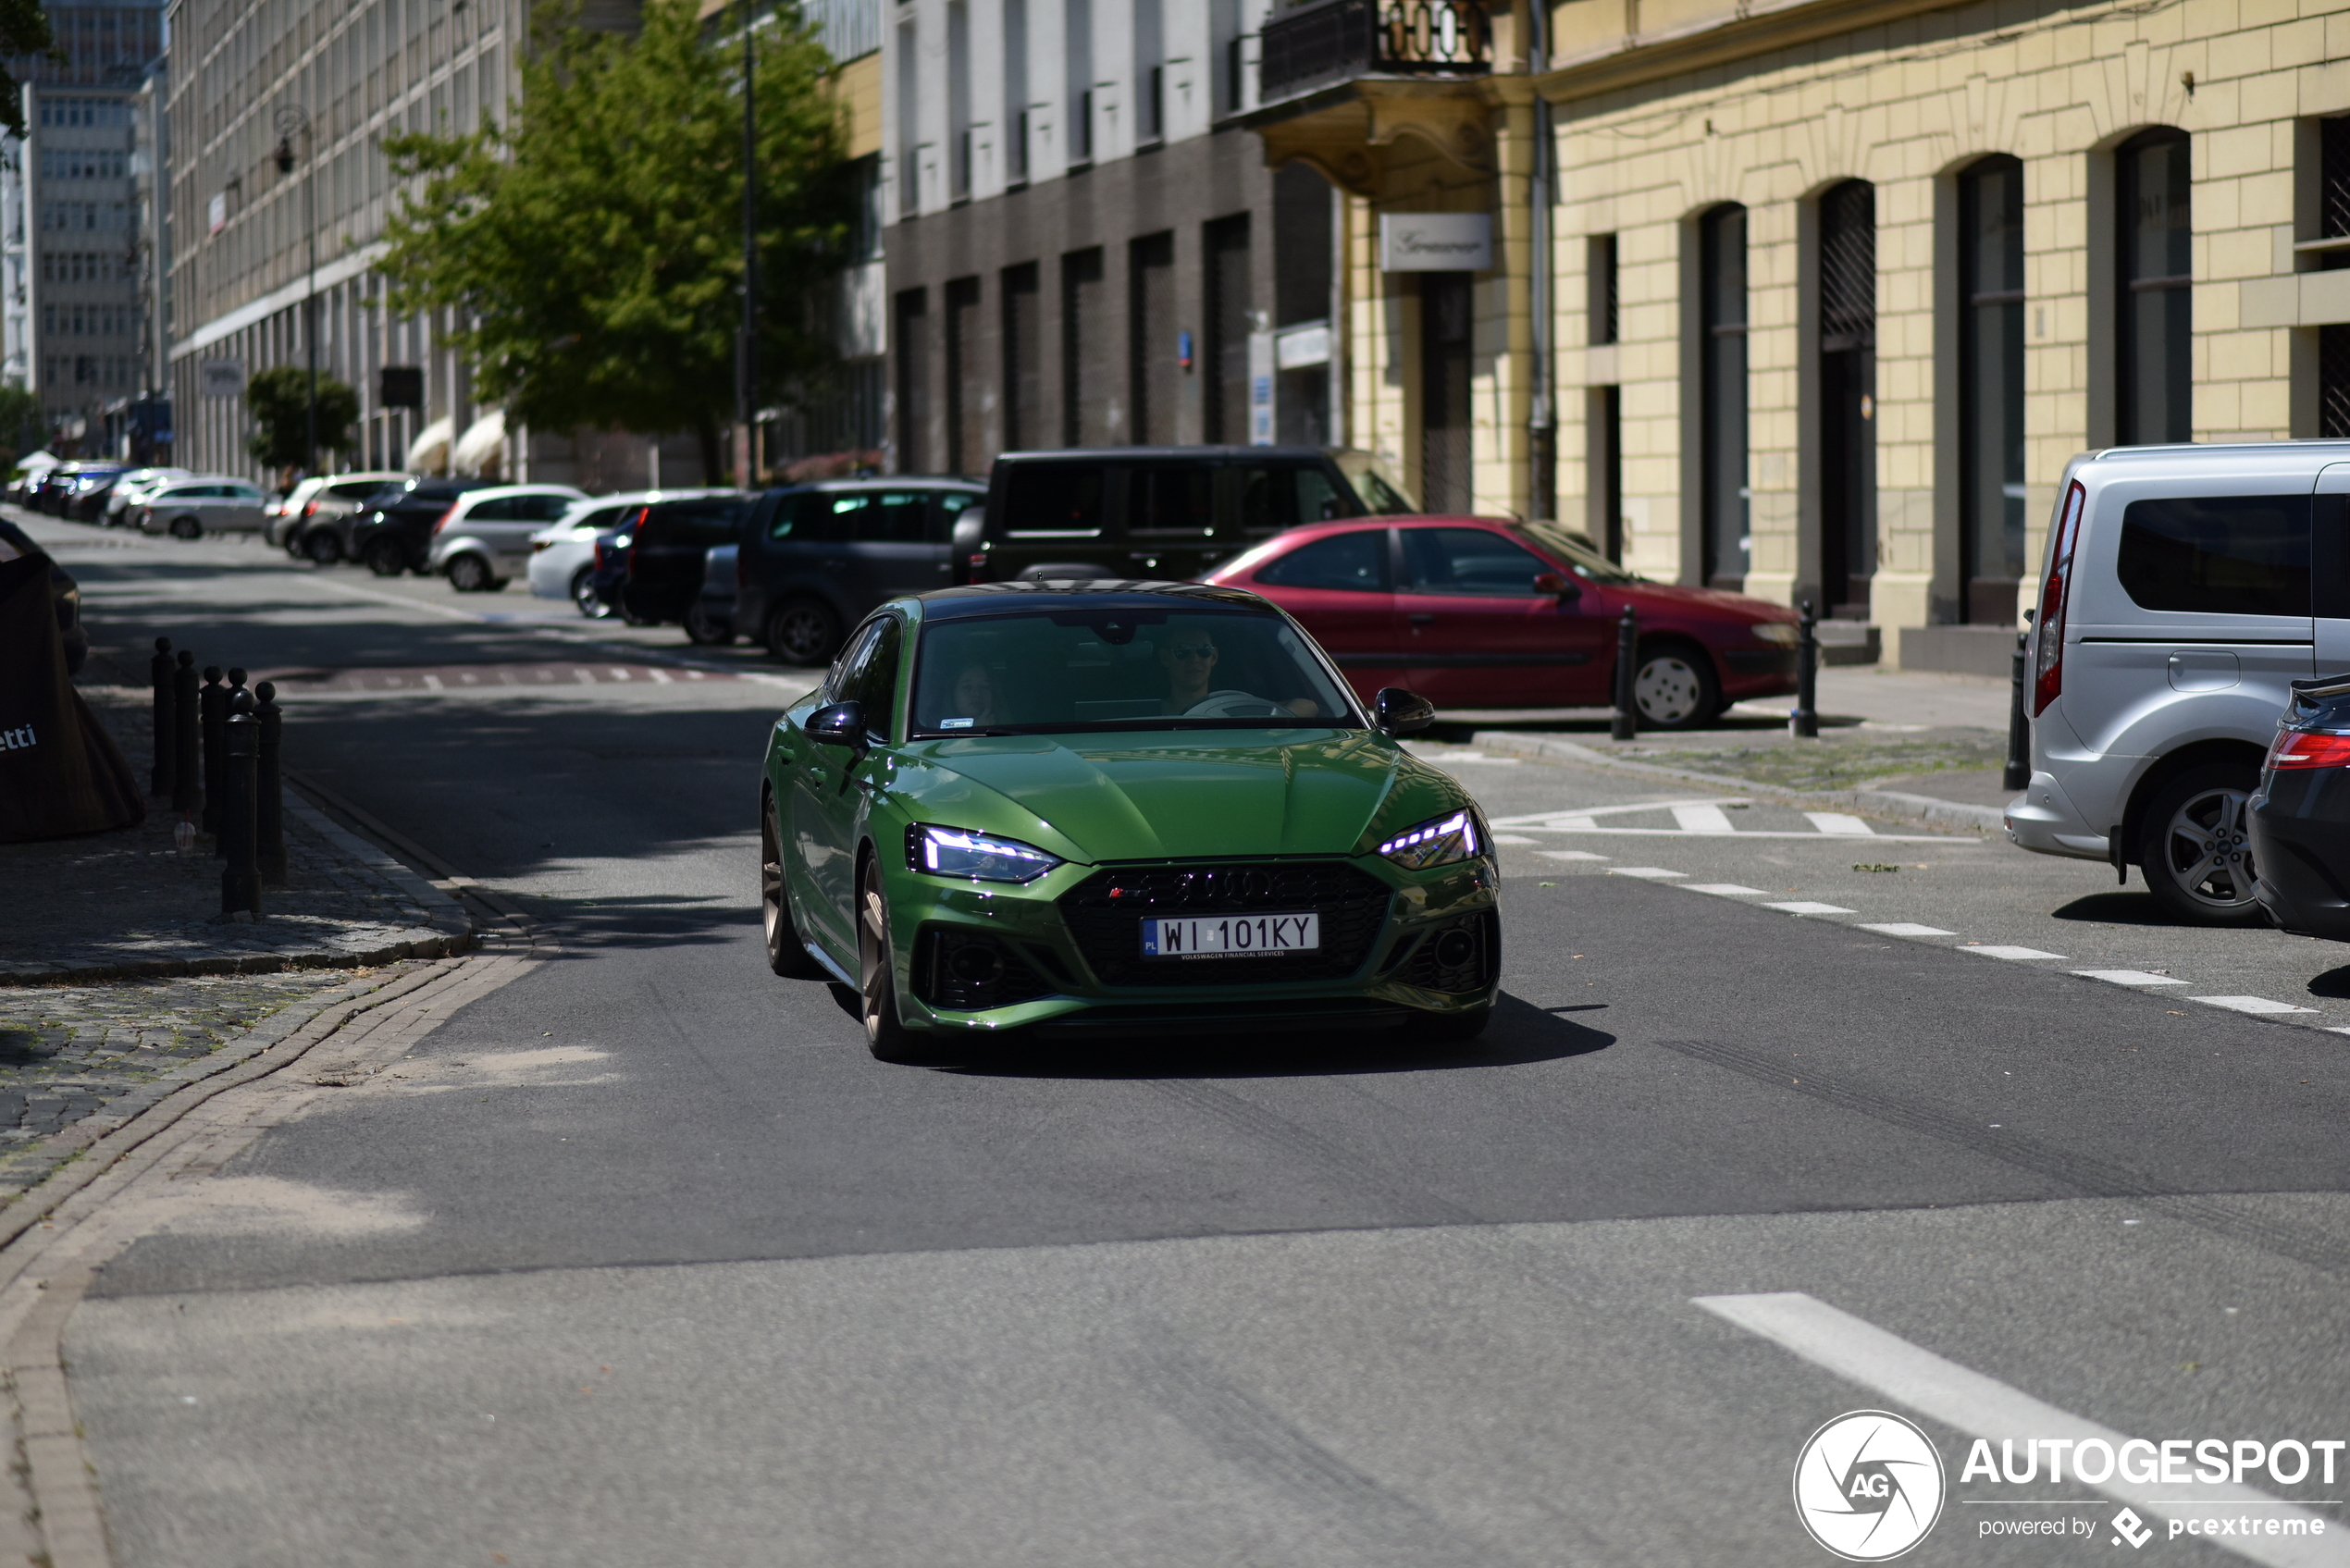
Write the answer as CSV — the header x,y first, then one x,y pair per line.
x,y
1847,397
1721,371
2154,311
1991,387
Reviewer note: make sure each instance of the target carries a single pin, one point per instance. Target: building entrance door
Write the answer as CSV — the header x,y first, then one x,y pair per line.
x,y
1848,398
1447,337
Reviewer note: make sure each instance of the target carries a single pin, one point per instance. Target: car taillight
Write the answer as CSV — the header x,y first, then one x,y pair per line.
x,y
2295,748
311,510
2054,595
446,518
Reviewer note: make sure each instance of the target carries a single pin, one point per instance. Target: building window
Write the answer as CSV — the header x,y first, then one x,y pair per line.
x,y
1604,421
1600,273
1847,397
1085,400
909,152
913,383
1016,87
1150,77
959,102
2333,223
1078,41
1155,369
1991,515
2155,239
1448,342
966,441
1722,392
1226,311
1024,358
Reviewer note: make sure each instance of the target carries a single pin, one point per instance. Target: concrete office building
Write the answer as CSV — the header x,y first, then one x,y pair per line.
x,y
1083,246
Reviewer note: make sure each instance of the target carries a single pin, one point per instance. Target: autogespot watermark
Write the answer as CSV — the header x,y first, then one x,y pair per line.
x,y
1870,1485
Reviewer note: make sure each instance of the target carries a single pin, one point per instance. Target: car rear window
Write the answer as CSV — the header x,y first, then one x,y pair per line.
x,y
1276,496
1054,500
691,523
2218,555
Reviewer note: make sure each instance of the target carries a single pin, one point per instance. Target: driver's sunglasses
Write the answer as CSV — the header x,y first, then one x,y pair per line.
x,y
1193,650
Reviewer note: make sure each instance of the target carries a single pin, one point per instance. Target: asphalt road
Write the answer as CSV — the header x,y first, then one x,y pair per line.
x,y
644,1260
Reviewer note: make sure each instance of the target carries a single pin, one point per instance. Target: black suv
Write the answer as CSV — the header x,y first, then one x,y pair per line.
x,y
816,559
392,531
1164,514
650,567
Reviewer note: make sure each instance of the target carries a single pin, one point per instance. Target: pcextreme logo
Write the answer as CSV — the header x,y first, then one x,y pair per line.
x,y
1868,1485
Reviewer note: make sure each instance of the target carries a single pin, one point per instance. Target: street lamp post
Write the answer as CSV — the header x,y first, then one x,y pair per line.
x,y
293,120
747,351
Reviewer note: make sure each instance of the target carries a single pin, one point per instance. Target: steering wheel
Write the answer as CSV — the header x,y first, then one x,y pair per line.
x,y
1235,705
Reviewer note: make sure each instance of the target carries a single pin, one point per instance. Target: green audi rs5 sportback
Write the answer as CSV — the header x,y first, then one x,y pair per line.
x,y
1116,808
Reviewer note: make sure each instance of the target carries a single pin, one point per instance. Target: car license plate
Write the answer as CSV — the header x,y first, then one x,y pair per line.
x,y
1232,936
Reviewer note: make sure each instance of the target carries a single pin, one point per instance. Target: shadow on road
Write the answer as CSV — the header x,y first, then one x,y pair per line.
x,y
2119,910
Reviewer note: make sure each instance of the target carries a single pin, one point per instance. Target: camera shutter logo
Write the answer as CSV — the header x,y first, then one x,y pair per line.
x,y
1869,1486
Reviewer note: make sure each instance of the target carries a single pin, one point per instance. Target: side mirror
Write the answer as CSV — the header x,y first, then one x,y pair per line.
x,y
842,724
1566,589
1401,712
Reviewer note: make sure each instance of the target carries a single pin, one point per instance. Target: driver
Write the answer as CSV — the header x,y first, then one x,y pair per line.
x,y
1189,659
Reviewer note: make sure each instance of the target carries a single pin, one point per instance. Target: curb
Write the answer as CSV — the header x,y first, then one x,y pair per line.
x,y
1888,805
448,930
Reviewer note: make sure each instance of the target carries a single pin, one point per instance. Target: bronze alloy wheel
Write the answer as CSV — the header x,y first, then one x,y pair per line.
x,y
877,987
786,953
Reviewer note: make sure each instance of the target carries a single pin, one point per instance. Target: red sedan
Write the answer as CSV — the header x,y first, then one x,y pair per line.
x,y
1479,612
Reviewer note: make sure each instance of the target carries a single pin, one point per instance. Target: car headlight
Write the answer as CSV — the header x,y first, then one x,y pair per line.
x,y
1780,632
1439,841
951,852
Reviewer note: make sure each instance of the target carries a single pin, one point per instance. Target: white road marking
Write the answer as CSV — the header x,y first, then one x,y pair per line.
x,y
661,677
585,677
2250,1005
1907,928
1805,907
1584,813
1839,823
2129,977
1947,839
1466,756
1514,838
432,683
1726,889
2019,954
1702,819
1861,1352
1643,872
618,673
1571,855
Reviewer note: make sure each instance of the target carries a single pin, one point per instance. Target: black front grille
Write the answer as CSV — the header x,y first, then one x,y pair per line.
x,y
1105,914
1457,955
969,972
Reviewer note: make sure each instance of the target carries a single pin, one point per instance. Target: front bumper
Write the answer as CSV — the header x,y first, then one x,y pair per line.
x,y
1027,925
2300,831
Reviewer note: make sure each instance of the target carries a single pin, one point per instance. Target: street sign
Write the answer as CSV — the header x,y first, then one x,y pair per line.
x,y
1436,241
1260,388
221,377
400,386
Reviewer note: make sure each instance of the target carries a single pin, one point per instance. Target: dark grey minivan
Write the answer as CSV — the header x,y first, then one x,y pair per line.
x,y
816,559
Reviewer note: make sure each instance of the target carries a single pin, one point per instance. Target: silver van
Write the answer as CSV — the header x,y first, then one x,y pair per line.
x,y
2180,589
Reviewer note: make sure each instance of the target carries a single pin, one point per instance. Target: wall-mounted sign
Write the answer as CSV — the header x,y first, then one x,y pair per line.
x,y
1299,348
216,211
1436,241
400,386
1260,388
221,377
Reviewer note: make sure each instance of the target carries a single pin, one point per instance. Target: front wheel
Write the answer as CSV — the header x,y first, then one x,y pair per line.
x,y
471,574
322,548
2196,846
583,595
786,953
1674,688
185,528
876,982
385,558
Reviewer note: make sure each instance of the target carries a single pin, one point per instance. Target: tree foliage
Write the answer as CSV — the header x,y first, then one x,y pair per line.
x,y
24,30
21,425
594,244
278,398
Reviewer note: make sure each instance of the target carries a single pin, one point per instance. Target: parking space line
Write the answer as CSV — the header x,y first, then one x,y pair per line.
x,y
1907,928
1726,889
1805,907
1861,1352
1840,823
2020,955
2250,1005
2129,977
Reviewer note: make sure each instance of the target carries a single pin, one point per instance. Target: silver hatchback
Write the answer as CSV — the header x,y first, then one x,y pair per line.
x,y
210,503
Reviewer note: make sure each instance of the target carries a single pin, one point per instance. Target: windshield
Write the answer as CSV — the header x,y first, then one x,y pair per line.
x,y
1568,546
1379,487
1122,669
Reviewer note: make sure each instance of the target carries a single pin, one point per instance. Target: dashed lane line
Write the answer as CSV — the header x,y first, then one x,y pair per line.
x,y
1652,872
2250,1005
1905,928
1807,907
1997,950
1726,889
2129,977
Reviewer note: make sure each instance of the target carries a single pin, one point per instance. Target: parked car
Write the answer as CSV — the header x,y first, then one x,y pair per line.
x,y
314,523
711,619
64,593
390,533
1477,613
85,501
2297,823
57,486
563,558
28,474
134,488
1158,513
2177,605
817,558
649,569
208,503
483,538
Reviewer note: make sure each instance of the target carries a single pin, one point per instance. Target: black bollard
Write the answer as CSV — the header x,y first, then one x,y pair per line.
x,y
239,738
1628,660
1805,719
2018,773
186,777
160,671
269,792
213,709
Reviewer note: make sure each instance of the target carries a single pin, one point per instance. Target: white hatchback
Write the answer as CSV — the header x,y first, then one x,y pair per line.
x,y
483,538
2181,589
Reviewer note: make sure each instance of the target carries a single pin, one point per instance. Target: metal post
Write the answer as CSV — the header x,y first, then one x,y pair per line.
x,y
240,878
187,797
1627,659
269,796
1805,719
2018,775
747,366
159,674
214,706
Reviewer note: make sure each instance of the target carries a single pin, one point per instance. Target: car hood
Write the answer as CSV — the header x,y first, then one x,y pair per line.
x,y
1177,794
1719,600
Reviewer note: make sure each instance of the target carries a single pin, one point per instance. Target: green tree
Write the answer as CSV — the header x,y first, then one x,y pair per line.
x,y
278,398
594,244
20,423
24,30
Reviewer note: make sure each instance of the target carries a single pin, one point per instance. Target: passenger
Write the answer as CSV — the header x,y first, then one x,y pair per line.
x,y
974,701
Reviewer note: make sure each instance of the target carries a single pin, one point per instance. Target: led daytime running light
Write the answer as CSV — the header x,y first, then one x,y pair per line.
x,y
951,852
1436,842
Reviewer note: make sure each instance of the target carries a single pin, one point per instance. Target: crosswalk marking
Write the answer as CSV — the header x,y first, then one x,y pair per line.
x,y
1702,819
1839,823
1861,1352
